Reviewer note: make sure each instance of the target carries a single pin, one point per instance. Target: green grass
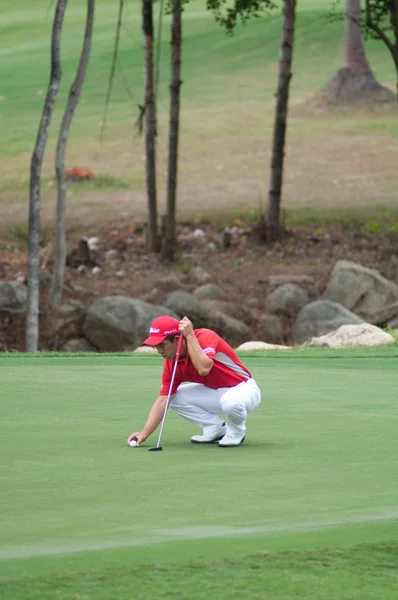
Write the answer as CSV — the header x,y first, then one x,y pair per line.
x,y
83,514
366,572
226,117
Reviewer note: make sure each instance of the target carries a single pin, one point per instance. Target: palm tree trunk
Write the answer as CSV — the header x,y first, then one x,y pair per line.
x,y
74,94
280,123
32,317
354,81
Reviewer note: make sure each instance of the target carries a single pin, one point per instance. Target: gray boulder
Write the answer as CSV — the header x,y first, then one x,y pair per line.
x,y
116,323
320,317
224,306
363,291
209,291
287,299
13,296
232,330
186,305
271,330
168,284
198,275
77,345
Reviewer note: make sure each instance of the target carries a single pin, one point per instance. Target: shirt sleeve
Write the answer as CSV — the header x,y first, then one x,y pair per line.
x,y
208,341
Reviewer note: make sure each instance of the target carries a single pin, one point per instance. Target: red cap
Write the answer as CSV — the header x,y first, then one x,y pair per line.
x,y
160,329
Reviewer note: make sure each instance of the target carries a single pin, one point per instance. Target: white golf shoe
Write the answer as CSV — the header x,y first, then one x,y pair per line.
x,y
231,442
210,437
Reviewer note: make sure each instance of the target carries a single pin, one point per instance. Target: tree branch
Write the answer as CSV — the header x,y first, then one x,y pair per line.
x,y
376,28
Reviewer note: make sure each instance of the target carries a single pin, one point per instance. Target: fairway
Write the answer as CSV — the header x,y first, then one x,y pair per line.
x,y
318,465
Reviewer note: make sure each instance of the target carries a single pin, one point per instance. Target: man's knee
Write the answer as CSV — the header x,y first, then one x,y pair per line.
x,y
235,411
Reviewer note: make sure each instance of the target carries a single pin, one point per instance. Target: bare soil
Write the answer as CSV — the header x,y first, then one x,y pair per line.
x,y
243,270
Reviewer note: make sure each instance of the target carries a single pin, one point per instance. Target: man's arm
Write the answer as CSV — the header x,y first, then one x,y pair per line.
x,y
154,419
202,363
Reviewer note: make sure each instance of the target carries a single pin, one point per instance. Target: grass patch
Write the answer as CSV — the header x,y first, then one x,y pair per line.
x,y
379,218
84,516
365,571
227,112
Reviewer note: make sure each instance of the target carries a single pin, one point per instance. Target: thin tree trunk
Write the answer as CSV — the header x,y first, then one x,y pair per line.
x,y
113,67
168,241
280,122
150,126
32,317
73,99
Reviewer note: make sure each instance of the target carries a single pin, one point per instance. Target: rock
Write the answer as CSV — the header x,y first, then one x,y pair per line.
x,y
224,306
393,323
145,350
168,284
198,275
233,331
320,317
155,296
274,280
209,291
287,299
112,254
186,305
271,329
363,291
69,324
72,308
353,335
254,346
77,345
115,323
13,296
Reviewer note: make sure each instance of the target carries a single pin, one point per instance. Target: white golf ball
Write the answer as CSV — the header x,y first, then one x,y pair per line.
x,y
133,444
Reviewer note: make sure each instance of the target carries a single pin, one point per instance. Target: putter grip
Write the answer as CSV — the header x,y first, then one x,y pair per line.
x,y
178,352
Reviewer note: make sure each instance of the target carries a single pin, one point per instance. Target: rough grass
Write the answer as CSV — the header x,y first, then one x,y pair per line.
x,y
333,158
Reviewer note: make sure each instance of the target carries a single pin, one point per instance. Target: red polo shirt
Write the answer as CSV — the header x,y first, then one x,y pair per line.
x,y
227,370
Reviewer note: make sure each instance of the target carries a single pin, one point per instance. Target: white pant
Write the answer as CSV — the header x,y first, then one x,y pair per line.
x,y
202,405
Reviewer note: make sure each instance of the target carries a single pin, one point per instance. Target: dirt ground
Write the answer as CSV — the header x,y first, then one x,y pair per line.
x,y
120,265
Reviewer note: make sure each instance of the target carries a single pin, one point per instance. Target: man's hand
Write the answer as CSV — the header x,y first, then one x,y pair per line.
x,y
186,327
138,436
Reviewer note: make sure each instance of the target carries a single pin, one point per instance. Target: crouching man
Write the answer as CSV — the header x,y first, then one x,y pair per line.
x,y
218,384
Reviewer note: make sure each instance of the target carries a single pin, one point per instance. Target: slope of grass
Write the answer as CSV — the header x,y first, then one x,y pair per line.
x,y
226,119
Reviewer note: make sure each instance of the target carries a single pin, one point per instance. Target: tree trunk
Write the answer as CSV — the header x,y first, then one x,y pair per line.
x,y
168,241
354,82
32,317
150,126
74,94
280,123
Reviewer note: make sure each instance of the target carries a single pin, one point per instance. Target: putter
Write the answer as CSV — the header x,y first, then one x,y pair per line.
x,y
158,447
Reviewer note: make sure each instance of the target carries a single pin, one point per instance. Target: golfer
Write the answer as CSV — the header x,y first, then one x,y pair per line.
x,y
218,384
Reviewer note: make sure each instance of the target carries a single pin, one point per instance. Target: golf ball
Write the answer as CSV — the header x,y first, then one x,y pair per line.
x,y
133,444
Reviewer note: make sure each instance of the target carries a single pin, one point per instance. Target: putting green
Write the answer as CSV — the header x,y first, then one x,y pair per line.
x,y
319,457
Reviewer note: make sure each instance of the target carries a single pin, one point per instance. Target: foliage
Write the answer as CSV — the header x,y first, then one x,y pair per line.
x,y
376,18
227,16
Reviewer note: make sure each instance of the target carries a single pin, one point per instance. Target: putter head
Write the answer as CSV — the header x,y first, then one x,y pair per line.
x,y
155,449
